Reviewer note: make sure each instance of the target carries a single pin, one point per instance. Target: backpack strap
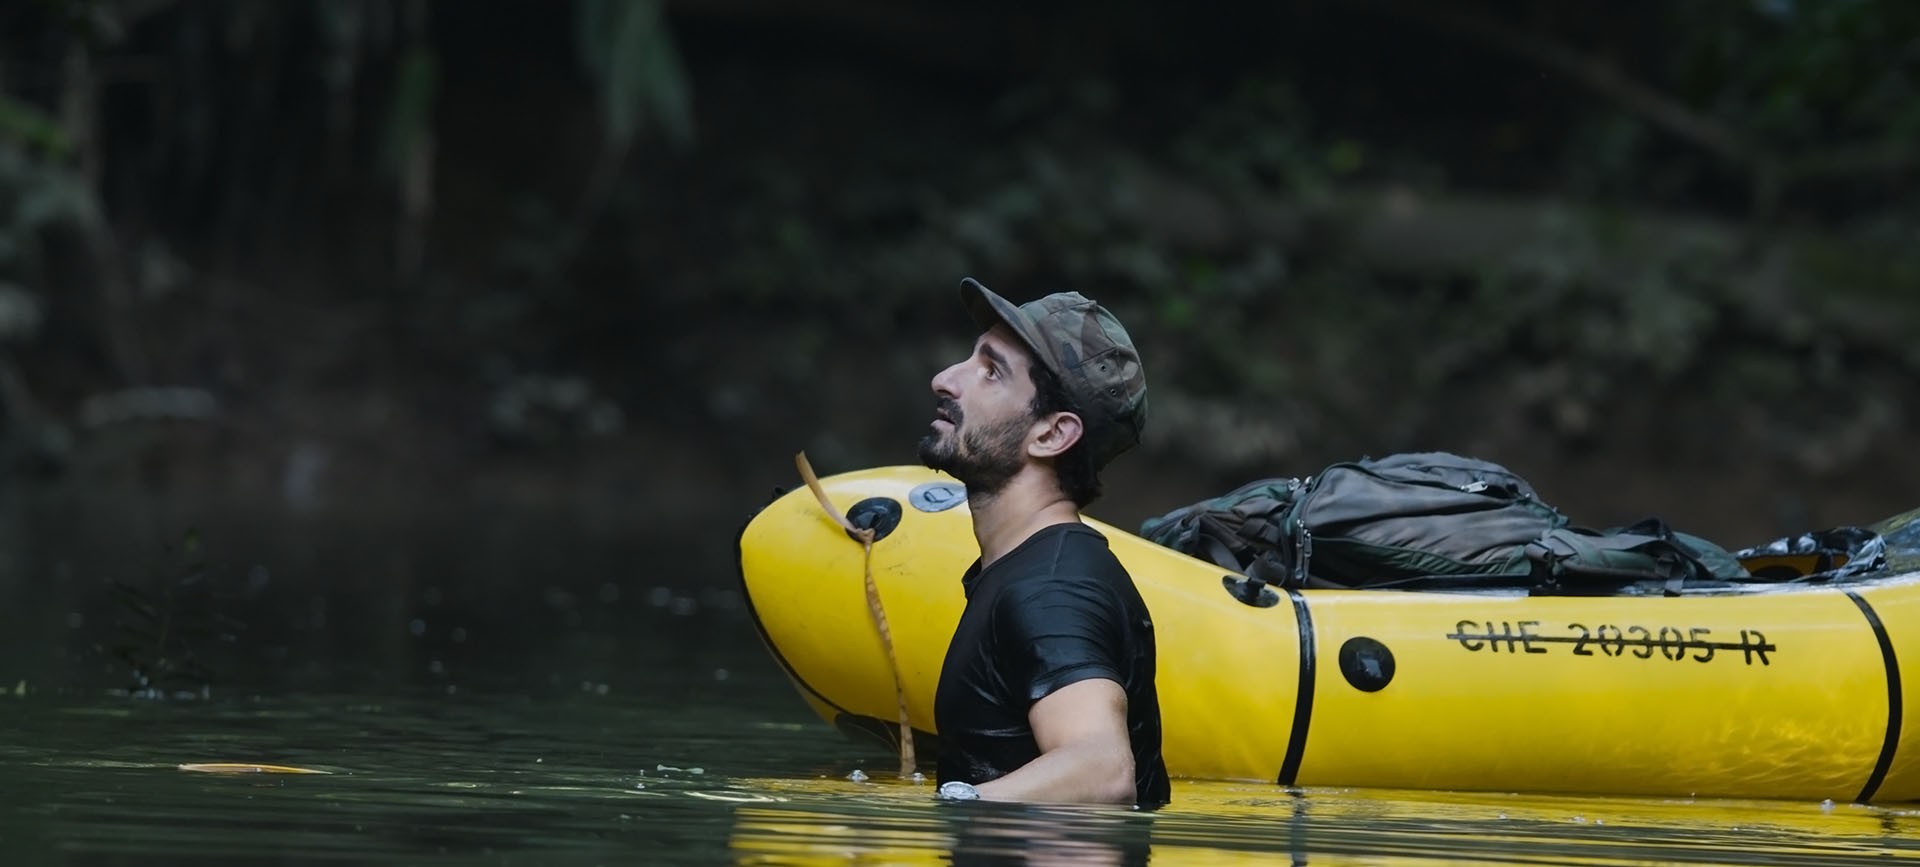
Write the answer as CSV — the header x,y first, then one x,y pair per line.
x,y
1217,551
1614,558
1707,559
1231,530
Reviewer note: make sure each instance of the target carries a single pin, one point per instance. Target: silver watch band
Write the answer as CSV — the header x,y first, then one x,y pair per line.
x,y
955,790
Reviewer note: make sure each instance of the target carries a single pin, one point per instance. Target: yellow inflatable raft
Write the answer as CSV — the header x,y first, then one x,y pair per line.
x,y
1774,691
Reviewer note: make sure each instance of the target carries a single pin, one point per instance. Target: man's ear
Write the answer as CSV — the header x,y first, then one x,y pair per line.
x,y
1057,433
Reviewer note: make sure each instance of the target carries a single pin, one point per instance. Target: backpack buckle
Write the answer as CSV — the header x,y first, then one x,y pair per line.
x,y
1302,554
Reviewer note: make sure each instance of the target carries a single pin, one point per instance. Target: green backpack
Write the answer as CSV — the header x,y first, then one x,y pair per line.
x,y
1429,520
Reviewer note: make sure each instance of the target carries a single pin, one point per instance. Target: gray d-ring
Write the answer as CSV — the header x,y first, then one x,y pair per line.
x,y
937,496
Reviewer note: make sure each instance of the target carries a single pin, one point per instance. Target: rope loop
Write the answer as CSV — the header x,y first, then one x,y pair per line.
x,y
877,611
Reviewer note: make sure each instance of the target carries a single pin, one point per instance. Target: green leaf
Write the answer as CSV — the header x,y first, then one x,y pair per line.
x,y
26,124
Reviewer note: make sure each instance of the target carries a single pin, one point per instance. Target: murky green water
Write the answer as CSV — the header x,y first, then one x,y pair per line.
x,y
698,775
506,688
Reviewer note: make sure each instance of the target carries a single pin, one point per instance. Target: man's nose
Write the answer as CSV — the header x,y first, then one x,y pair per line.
x,y
943,382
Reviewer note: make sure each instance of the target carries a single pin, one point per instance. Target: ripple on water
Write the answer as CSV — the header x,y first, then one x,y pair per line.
x,y
626,778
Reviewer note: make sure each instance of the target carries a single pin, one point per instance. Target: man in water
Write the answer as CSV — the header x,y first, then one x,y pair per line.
x,y
1047,692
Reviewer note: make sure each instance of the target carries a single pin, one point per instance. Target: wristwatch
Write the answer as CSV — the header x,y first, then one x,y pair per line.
x,y
957,791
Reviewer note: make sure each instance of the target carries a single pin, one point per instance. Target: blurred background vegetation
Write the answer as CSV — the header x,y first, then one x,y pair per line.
x,y
627,256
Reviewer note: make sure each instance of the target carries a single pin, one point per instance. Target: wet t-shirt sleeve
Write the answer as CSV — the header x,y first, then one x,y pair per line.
x,y
1056,632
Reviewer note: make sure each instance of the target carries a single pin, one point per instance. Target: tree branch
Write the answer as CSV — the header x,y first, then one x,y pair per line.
x,y
1771,173
1596,74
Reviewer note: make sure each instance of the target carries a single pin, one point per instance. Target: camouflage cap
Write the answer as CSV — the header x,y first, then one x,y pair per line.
x,y
1085,346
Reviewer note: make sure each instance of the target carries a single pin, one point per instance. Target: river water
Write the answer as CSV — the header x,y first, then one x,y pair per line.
x,y
506,686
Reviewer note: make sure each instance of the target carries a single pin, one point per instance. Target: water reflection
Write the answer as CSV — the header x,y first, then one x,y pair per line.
x,y
909,827
488,685
1216,823
997,835
381,596
736,773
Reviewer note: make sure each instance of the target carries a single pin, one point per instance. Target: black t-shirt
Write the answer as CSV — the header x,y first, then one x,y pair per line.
x,y
1057,610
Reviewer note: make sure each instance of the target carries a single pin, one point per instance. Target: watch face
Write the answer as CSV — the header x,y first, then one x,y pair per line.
x,y
958,791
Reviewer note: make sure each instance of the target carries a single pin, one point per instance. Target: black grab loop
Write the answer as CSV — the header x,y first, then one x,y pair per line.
x,y
1256,589
879,514
1250,591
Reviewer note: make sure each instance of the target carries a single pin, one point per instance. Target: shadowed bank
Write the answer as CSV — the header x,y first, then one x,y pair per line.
x,y
462,338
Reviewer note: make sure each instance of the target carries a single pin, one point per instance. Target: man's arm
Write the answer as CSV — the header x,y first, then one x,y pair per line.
x,y
1085,753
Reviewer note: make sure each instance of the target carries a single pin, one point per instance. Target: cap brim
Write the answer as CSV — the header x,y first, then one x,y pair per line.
x,y
989,309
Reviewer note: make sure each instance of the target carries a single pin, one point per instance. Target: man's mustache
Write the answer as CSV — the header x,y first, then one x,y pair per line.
x,y
947,409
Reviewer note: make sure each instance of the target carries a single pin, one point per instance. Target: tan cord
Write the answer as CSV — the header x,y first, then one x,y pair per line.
x,y
865,535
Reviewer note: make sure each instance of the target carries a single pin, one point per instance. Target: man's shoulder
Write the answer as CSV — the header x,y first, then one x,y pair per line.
x,y
1061,549
1075,562
1086,550
1071,537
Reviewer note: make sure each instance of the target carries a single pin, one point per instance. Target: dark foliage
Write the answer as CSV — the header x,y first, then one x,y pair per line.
x,y
378,239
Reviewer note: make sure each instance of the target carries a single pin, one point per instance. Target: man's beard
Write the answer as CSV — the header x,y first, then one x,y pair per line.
x,y
984,459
